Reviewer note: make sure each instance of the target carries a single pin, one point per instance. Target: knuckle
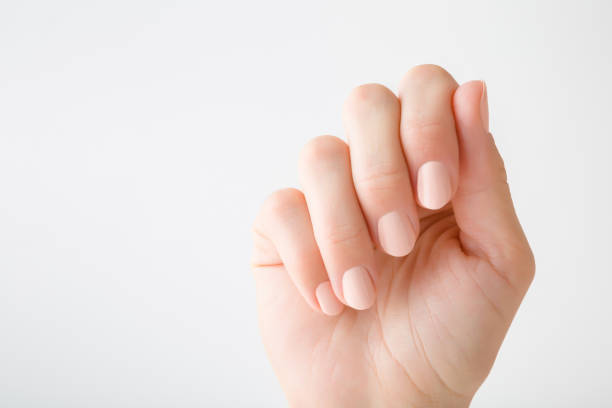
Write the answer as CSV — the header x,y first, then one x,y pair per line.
x,y
499,167
322,149
279,210
381,177
426,73
429,136
530,265
344,234
369,98
281,204
427,129
520,262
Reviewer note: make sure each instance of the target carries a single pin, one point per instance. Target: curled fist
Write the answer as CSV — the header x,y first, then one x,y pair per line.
x,y
391,279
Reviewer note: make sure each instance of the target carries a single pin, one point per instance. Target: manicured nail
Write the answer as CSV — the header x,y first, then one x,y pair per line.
x,y
330,305
433,185
484,107
358,288
396,233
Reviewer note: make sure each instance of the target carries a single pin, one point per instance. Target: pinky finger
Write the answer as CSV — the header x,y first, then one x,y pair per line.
x,y
283,234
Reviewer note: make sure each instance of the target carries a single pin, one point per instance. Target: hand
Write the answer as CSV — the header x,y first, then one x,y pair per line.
x,y
411,226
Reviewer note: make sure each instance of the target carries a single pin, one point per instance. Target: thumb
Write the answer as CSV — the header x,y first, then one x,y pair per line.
x,y
483,205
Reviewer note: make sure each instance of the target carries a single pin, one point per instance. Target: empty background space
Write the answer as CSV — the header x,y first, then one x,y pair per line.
x,y
138,139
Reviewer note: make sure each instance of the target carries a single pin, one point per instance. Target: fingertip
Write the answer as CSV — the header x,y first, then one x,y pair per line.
x,y
470,104
358,288
396,233
328,302
434,187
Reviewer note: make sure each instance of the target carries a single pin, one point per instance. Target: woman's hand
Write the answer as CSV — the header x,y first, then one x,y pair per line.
x,y
391,280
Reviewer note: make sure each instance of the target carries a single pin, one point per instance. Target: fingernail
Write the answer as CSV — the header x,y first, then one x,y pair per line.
x,y
330,305
484,107
396,233
358,288
433,185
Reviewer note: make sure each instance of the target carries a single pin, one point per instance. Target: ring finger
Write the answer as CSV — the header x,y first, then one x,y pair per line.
x,y
338,224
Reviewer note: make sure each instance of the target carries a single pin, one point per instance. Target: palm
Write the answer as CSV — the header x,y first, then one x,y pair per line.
x,y
434,328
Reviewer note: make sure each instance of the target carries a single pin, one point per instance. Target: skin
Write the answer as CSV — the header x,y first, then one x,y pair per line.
x,y
444,293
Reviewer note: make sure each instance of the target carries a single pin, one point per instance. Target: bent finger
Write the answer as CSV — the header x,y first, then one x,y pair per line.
x,y
338,223
283,232
428,134
371,118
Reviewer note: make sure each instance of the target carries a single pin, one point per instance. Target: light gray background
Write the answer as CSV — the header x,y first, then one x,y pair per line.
x,y
137,140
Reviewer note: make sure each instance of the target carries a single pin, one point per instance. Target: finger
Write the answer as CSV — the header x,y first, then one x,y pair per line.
x,y
371,119
339,227
483,206
428,134
283,234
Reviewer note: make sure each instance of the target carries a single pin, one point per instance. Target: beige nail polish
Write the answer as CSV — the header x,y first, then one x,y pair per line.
x,y
484,107
329,303
396,234
433,185
358,288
